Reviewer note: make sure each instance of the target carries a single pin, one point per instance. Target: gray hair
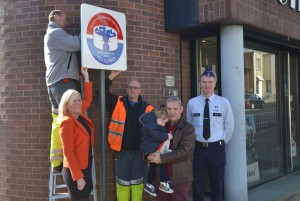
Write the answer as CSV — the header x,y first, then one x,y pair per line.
x,y
172,99
134,80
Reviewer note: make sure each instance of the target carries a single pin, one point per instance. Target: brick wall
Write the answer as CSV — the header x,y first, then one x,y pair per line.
x,y
268,15
24,113
25,118
213,10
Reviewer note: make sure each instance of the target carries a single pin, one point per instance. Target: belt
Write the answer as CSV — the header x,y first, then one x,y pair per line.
x,y
66,80
211,144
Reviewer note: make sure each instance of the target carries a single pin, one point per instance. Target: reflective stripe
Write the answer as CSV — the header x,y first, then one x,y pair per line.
x,y
122,182
128,183
116,127
137,181
56,158
56,151
117,122
115,133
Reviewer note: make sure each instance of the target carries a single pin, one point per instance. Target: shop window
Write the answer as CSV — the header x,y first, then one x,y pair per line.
x,y
268,85
258,64
263,146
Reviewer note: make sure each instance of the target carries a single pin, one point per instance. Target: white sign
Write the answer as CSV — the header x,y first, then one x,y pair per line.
x,y
253,172
170,81
103,38
292,3
283,2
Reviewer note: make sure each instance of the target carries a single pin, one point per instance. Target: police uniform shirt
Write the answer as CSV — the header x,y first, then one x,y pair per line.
x,y
220,114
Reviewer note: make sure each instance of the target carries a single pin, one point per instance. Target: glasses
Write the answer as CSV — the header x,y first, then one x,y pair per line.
x,y
133,87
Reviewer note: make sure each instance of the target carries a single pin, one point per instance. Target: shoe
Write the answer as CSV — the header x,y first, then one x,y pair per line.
x,y
149,188
57,169
165,187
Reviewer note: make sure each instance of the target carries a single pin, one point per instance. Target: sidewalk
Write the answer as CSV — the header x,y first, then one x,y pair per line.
x,y
284,189
294,198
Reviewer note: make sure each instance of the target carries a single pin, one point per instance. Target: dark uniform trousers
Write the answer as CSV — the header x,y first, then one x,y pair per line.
x,y
209,156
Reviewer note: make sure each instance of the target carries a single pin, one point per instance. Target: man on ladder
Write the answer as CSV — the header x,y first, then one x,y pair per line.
x,y
62,73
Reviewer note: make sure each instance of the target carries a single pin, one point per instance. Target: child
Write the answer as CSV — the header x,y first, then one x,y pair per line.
x,y
154,133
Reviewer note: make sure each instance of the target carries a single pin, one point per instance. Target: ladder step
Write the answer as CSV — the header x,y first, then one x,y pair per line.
x,y
59,196
56,173
63,195
54,184
61,186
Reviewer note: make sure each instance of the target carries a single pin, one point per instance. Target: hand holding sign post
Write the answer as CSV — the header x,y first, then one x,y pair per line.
x,y
103,47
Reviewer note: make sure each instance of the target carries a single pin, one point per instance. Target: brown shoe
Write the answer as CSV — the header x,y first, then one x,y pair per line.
x,y
57,169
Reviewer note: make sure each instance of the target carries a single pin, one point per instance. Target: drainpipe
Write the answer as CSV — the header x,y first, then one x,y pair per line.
x,y
180,66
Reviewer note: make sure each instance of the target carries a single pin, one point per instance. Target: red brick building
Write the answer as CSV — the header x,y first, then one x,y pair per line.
x,y
252,42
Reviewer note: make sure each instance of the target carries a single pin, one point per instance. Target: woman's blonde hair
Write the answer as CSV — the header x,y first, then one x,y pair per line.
x,y
67,98
161,113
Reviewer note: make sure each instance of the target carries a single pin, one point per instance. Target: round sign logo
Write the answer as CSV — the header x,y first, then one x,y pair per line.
x,y
105,38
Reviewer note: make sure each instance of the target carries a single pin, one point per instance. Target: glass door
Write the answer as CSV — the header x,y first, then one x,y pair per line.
x,y
285,110
293,137
291,86
263,138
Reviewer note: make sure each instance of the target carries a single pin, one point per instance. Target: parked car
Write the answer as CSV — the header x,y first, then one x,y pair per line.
x,y
253,101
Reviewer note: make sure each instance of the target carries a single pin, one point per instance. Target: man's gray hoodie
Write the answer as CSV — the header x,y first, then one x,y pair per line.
x,y
60,54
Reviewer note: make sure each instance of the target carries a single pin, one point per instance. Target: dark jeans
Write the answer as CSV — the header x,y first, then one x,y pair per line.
x,y
162,173
56,91
213,159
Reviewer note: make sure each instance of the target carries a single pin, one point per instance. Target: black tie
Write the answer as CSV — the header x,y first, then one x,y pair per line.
x,y
206,121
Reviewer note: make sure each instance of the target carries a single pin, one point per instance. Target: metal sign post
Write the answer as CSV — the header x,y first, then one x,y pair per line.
x,y
102,133
103,47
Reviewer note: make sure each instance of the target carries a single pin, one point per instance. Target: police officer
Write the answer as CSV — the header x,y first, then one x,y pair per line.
x,y
212,118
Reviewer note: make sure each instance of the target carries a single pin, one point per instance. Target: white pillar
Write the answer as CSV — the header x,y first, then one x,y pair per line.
x,y
232,79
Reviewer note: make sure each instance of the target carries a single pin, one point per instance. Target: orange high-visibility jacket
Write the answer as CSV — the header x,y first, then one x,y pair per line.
x,y
117,125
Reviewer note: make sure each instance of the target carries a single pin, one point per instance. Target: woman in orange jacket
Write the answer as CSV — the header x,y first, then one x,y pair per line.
x,y
77,135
